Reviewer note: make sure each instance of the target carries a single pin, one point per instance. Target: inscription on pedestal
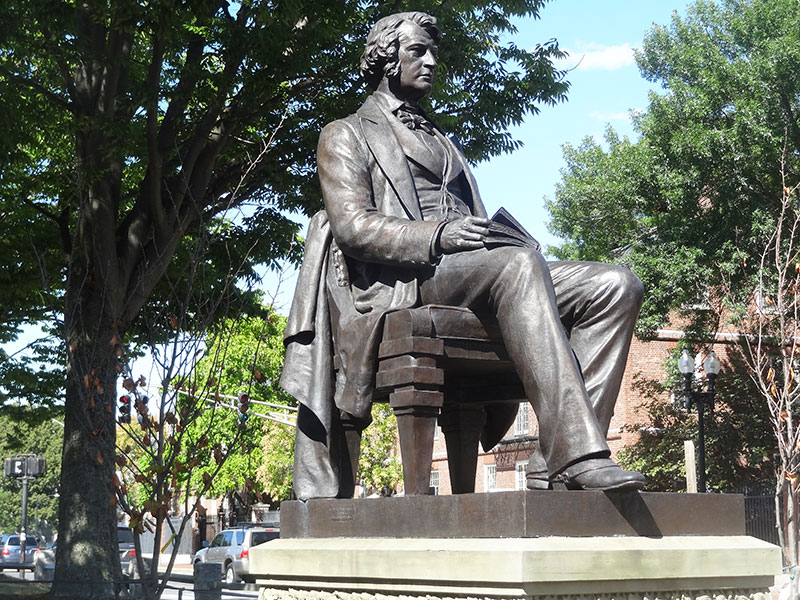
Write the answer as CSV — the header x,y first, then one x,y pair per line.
x,y
343,512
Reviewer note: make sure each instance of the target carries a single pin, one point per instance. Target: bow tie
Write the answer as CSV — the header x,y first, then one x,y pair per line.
x,y
414,118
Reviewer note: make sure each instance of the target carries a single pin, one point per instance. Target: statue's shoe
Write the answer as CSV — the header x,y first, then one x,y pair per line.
x,y
599,474
538,480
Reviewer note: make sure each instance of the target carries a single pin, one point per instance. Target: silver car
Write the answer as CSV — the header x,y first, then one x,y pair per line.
x,y
11,552
231,547
252,537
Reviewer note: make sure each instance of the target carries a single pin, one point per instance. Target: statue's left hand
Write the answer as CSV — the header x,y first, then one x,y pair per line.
x,y
465,233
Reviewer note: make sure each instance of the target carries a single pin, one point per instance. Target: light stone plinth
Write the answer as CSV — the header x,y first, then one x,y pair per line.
x,y
674,567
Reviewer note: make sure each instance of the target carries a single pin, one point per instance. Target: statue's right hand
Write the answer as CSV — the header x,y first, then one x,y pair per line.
x,y
465,233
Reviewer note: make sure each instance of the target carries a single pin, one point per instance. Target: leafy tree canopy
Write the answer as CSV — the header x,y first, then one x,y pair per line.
x,y
168,115
150,154
688,202
244,356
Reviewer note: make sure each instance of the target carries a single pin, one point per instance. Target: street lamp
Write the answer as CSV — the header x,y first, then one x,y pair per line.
x,y
711,366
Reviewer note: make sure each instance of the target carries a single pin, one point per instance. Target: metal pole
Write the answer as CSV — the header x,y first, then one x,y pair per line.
x,y
701,441
22,526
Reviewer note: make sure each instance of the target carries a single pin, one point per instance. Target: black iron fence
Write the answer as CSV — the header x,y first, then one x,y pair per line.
x,y
759,510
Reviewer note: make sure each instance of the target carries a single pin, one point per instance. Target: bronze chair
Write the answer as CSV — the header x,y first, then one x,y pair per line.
x,y
446,363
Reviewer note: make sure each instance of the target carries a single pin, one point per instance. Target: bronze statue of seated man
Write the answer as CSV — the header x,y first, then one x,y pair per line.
x,y
405,226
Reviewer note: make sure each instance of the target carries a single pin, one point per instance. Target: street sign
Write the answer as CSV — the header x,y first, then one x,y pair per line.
x,y
36,466
24,466
14,467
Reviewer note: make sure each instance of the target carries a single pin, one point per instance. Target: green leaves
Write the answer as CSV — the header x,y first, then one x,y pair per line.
x,y
172,116
43,439
691,206
379,465
682,204
244,355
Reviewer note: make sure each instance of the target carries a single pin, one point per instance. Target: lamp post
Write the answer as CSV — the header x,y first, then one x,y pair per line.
x,y
711,366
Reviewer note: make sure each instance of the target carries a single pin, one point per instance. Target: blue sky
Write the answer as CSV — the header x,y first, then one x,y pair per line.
x,y
605,87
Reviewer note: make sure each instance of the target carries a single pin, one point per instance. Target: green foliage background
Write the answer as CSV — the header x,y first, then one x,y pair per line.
x,y
243,356
42,439
689,205
379,466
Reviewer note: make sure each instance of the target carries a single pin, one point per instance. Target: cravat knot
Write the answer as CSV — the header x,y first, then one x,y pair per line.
x,y
413,118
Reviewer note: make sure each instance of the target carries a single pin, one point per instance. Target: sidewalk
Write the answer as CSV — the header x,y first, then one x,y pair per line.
x,y
182,566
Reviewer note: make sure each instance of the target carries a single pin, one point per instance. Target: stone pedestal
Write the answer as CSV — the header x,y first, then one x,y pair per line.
x,y
636,547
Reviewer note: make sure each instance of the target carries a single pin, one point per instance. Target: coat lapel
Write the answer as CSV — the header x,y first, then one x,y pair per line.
x,y
389,155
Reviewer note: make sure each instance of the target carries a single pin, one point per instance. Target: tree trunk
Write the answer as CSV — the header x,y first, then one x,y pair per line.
x,y
87,561
790,544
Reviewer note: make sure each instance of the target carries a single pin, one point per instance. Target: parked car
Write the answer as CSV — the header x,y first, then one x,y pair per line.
x,y
44,560
127,549
11,551
252,537
231,548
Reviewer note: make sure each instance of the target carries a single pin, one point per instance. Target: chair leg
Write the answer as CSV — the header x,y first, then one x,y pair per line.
x,y
462,426
416,411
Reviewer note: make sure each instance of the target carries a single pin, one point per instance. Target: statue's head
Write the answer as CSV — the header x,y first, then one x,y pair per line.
x,y
381,55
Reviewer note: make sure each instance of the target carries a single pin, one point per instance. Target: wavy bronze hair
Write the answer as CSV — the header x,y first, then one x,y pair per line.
x,y
380,55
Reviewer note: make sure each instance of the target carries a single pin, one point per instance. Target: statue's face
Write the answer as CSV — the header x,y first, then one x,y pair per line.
x,y
417,57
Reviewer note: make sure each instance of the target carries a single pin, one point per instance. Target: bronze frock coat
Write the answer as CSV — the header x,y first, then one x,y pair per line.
x,y
347,286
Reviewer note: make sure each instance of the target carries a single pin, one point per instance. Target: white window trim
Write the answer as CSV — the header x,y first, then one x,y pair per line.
x,y
487,470
521,466
435,475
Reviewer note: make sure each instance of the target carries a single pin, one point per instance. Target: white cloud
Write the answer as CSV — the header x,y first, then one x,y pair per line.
x,y
607,117
591,56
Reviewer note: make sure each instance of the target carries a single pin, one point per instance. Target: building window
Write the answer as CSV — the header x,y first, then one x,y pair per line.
x,y
521,424
435,482
521,470
490,477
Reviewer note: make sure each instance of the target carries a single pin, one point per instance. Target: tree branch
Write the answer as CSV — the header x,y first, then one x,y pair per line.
x,y
35,85
183,92
152,183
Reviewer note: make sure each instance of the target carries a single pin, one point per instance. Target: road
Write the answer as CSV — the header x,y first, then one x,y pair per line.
x,y
183,591
178,590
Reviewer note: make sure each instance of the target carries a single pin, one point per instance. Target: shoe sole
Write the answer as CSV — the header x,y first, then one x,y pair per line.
x,y
625,486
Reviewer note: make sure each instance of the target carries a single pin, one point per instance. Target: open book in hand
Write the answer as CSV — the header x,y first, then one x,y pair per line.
x,y
505,230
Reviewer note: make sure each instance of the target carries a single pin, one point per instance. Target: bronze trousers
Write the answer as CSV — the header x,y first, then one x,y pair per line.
x,y
567,327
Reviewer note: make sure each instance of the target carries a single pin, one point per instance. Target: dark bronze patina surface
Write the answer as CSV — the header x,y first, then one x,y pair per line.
x,y
405,228
517,514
